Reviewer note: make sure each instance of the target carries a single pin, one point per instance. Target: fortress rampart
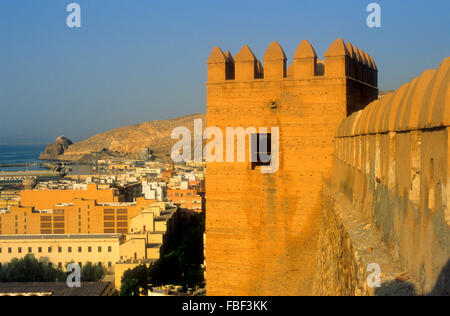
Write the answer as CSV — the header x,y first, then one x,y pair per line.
x,y
340,60
386,201
262,230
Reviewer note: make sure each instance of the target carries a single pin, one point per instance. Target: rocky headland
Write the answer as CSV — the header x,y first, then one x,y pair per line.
x,y
123,142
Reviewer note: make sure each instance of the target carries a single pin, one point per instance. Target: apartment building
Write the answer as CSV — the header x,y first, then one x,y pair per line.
x,y
186,199
60,250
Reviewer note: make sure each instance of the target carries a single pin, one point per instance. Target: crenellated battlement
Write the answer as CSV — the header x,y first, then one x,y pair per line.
x,y
340,60
388,171
256,218
391,165
420,104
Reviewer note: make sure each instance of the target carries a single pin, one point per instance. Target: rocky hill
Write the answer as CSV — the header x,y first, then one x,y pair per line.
x,y
126,141
56,149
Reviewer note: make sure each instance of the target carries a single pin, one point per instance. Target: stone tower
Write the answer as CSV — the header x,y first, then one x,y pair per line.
x,y
262,228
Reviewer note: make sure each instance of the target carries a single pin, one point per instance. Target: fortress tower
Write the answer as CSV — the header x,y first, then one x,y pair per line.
x,y
262,228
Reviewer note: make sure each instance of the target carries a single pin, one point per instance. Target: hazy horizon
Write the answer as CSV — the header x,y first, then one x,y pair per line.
x,y
138,61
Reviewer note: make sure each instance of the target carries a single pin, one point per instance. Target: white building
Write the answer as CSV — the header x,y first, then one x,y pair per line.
x,y
154,190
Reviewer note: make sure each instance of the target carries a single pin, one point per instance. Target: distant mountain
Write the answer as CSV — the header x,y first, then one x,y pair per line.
x,y
127,141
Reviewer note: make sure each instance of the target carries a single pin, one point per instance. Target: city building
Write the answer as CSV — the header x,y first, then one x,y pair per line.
x,y
60,250
85,225
144,154
120,167
90,211
186,199
155,190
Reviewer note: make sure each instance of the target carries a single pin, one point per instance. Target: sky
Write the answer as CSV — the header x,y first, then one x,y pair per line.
x,y
133,61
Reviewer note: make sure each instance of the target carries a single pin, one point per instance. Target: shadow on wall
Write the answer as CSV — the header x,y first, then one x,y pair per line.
x,y
398,288
442,287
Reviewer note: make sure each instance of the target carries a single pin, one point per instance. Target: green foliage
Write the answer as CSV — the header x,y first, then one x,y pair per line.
x,y
135,280
29,269
181,263
129,287
92,272
142,274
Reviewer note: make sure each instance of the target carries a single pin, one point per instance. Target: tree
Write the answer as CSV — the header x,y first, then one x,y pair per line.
x,y
92,272
180,262
142,274
135,281
29,269
129,287
183,256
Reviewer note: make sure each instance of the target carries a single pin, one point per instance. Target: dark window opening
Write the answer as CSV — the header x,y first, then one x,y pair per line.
x,y
261,154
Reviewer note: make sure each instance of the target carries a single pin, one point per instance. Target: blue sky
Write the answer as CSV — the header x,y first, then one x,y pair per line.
x,y
139,60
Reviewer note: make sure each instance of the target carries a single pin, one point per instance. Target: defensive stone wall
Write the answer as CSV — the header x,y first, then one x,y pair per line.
x,y
262,229
391,174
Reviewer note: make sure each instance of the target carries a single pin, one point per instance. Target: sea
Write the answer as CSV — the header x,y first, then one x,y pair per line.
x,y
20,154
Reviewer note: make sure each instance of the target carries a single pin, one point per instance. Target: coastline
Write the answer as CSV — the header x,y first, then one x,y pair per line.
x,y
20,157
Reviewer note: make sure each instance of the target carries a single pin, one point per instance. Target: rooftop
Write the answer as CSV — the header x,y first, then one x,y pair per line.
x,y
72,236
55,289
